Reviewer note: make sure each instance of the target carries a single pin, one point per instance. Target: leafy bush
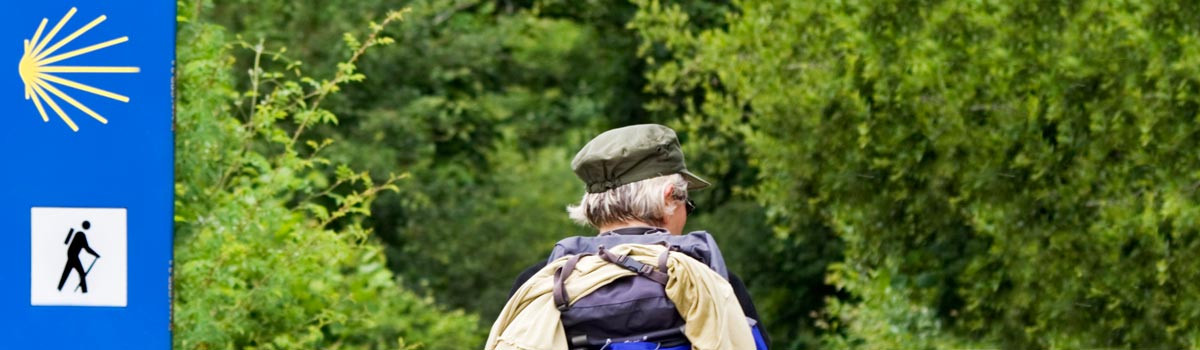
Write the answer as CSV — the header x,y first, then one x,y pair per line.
x,y
271,252
1015,174
483,106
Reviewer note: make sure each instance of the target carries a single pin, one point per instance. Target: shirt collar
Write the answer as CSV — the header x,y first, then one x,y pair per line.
x,y
635,230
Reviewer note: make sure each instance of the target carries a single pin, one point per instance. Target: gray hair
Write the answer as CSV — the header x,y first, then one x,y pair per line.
x,y
641,201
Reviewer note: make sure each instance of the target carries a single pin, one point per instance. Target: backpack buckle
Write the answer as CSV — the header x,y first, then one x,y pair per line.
x,y
623,260
633,265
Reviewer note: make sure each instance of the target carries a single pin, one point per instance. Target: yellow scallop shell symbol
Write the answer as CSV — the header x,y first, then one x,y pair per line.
x,y
38,71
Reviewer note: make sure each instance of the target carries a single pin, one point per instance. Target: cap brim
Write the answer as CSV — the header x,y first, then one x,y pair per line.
x,y
694,182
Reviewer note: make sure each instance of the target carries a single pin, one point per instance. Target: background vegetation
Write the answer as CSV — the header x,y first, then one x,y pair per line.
x,y
271,249
891,174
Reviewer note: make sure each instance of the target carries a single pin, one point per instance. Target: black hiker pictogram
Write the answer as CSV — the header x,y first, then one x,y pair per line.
x,y
77,244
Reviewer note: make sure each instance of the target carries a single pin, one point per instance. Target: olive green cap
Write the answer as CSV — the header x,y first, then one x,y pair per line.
x,y
631,154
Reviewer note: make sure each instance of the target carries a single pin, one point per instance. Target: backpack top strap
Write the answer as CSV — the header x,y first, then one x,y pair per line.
x,y
631,264
634,265
699,245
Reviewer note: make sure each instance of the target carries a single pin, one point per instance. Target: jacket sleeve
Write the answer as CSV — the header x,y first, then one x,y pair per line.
x,y
743,296
525,275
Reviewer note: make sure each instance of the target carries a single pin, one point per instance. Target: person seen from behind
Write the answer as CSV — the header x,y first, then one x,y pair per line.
x,y
640,283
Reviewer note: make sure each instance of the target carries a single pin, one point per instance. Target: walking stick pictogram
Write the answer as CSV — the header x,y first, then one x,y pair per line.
x,y
85,273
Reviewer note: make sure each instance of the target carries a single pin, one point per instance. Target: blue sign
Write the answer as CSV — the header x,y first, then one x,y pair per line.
x,y
86,174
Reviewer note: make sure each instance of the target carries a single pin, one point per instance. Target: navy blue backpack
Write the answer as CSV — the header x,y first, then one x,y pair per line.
x,y
633,312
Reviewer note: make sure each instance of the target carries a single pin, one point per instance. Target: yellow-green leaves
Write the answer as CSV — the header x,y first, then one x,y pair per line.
x,y
270,248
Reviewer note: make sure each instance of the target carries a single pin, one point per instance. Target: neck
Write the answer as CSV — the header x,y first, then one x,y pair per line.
x,y
631,223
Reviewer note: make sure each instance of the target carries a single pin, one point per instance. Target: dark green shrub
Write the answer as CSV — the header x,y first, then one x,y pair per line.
x,y
1015,174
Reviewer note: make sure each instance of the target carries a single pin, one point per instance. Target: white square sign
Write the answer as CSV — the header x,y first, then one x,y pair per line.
x,y
78,257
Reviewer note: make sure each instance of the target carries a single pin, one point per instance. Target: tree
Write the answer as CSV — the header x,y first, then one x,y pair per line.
x,y
1015,174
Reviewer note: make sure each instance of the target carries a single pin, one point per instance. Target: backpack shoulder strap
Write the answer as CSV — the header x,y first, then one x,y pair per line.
x,y
561,299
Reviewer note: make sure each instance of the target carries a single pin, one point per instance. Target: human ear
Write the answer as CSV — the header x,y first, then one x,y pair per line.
x,y
669,201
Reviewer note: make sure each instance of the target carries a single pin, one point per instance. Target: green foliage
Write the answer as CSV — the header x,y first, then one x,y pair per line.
x,y
483,106
1019,174
270,247
486,92
783,250
473,239
891,174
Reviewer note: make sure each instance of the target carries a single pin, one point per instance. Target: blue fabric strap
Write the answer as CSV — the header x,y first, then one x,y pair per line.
x,y
645,346
759,342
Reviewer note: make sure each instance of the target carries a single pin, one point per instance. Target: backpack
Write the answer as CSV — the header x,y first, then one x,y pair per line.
x,y
632,312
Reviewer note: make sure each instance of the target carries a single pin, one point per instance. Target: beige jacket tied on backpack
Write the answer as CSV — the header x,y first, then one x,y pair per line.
x,y
704,299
